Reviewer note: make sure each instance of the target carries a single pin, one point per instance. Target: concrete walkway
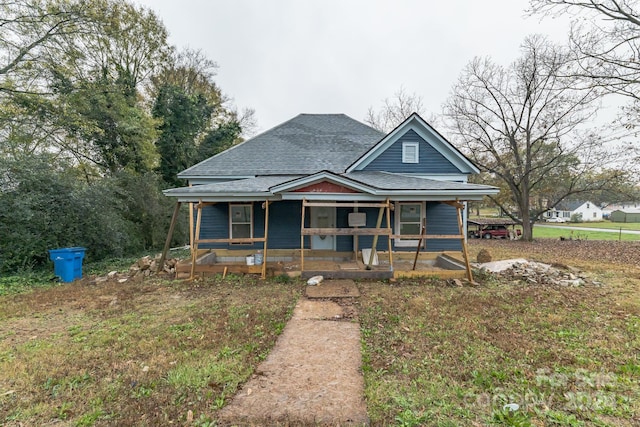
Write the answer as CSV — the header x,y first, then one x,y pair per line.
x,y
313,374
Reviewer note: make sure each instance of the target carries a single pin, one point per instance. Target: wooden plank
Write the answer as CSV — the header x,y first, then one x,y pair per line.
x,y
463,240
304,204
191,225
426,236
375,237
415,260
456,204
194,250
442,274
349,274
167,242
266,235
390,249
231,268
205,204
346,231
344,204
236,240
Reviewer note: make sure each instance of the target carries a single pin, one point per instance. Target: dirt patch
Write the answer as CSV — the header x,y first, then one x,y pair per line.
x,y
317,310
333,289
312,376
568,251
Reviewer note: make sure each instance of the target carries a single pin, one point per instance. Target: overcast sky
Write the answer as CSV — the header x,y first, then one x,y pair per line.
x,y
285,57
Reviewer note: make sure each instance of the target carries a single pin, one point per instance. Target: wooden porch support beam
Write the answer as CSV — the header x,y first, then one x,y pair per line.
x,y
355,236
266,235
190,225
167,242
304,205
415,260
375,237
389,237
459,207
194,249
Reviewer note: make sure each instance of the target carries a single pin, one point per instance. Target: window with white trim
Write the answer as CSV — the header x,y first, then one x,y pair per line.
x,y
409,219
410,152
241,221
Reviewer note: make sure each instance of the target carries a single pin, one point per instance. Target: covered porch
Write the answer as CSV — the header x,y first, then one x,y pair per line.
x,y
351,225
324,258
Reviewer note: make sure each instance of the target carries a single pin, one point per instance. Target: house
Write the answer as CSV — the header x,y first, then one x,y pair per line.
x,y
625,215
326,184
587,211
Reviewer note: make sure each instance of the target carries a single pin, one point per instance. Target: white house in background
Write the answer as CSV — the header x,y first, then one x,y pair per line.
x,y
565,210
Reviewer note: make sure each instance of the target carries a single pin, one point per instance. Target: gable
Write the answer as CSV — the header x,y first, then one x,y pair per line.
x,y
429,161
436,154
325,187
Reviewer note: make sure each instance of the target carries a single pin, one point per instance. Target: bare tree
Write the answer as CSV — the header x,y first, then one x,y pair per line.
x,y
394,110
521,125
605,40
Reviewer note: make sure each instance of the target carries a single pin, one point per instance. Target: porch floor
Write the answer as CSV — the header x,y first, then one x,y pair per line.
x,y
334,268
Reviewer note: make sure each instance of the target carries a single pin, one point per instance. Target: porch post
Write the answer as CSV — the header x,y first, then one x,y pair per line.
x,y
375,237
459,206
167,242
190,224
194,248
389,235
304,203
266,235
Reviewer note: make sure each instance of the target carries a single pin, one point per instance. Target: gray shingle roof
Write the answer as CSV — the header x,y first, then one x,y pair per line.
x,y
570,205
379,183
303,145
395,181
260,184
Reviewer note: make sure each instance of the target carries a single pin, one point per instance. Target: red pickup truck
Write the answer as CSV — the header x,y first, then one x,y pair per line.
x,y
494,232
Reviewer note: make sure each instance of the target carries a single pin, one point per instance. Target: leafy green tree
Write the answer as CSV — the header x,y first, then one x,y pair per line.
x,y
196,122
219,139
184,118
113,130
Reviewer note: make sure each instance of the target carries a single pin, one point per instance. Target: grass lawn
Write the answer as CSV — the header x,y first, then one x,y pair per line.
x,y
603,224
446,356
160,352
569,232
149,353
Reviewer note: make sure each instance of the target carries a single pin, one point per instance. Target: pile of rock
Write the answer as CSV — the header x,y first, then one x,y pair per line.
x,y
144,267
536,273
148,266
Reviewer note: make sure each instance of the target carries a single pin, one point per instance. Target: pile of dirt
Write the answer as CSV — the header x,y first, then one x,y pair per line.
x,y
536,273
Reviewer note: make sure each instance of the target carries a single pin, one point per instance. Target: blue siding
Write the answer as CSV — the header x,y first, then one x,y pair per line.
x,y
442,219
284,227
430,160
372,218
215,225
343,243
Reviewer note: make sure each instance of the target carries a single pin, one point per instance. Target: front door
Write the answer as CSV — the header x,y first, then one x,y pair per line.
x,y
323,217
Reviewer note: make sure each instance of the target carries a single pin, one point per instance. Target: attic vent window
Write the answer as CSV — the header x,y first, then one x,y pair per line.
x,y
409,152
